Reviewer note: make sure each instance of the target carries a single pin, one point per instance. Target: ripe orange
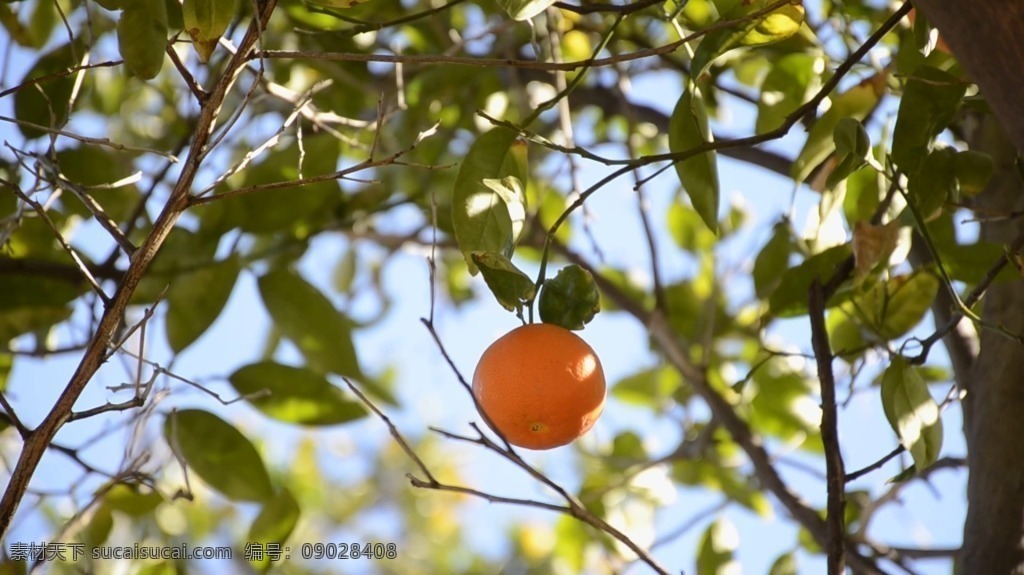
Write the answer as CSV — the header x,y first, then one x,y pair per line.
x,y
540,386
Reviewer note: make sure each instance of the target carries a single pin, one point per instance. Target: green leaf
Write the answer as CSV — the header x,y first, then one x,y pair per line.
x,y
481,216
844,334
715,552
132,499
6,364
16,30
205,21
771,260
912,412
790,297
33,303
718,472
774,26
570,299
183,251
934,184
47,103
219,454
930,100
864,191
786,87
688,229
973,170
310,320
97,166
511,190
510,286
854,103
98,528
970,263
651,388
783,407
294,207
294,394
195,300
570,543
524,9
688,129
785,565
853,149
142,37
275,522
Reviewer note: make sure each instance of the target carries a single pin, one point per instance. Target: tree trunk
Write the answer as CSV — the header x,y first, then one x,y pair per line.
x,y
988,39
994,404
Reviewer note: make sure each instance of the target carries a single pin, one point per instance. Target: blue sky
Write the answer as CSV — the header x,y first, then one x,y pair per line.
x,y
930,515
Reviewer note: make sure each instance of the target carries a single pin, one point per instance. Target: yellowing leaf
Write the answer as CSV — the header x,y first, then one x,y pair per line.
x,y
871,245
775,26
892,308
205,21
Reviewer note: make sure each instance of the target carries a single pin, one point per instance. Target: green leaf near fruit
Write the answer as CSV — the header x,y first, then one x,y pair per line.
x,y
570,299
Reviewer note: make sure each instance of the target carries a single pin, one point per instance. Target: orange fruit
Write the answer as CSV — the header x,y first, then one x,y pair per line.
x,y
539,386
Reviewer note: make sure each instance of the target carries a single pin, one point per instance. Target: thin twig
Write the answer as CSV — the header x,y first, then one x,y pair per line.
x,y
495,63
38,440
41,211
574,508
88,140
12,416
969,301
409,451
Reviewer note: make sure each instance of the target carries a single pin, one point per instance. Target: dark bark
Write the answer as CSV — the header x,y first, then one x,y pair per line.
x,y
988,39
994,404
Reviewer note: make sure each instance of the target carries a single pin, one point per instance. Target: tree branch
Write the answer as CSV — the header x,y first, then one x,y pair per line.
x,y
724,412
834,471
38,440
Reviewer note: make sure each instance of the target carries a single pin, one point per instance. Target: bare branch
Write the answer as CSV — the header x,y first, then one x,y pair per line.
x,y
12,416
431,59
41,211
394,432
38,440
836,506
971,299
105,142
